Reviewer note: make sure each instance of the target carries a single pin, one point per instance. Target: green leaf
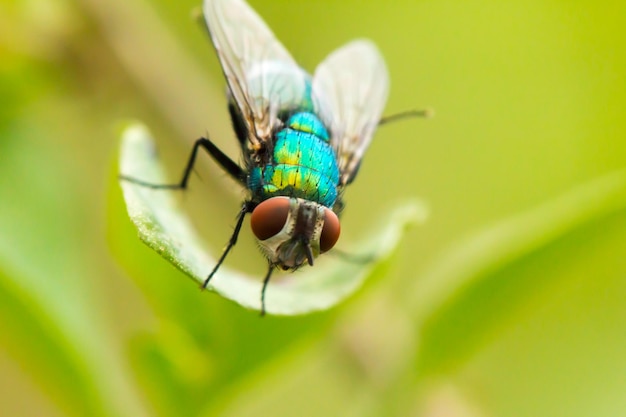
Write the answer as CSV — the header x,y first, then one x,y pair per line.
x,y
167,230
506,269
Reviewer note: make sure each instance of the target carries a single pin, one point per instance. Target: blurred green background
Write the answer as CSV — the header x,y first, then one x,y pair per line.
x,y
509,301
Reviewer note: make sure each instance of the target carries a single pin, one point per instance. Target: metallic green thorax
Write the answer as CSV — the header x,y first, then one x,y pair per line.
x,y
303,164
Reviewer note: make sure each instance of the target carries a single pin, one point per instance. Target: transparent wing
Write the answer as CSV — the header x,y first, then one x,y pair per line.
x,y
350,90
262,76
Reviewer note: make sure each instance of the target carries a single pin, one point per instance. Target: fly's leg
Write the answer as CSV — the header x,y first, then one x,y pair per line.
x,y
426,113
247,207
359,259
233,169
266,281
229,166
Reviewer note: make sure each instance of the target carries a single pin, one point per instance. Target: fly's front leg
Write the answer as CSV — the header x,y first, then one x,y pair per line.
x,y
266,281
358,259
220,157
248,206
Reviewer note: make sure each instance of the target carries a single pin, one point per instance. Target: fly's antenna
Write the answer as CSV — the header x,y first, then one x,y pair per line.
x,y
425,113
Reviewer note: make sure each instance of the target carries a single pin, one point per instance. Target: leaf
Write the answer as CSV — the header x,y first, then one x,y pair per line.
x,y
164,228
54,322
507,269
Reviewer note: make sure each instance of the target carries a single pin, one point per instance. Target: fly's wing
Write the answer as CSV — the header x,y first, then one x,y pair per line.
x,y
262,77
350,90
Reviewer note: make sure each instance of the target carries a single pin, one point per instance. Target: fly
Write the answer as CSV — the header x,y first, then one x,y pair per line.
x,y
302,136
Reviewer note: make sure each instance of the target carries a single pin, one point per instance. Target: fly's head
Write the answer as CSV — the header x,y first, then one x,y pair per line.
x,y
294,231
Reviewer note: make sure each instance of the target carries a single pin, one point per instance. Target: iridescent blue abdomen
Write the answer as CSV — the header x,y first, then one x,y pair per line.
x,y
303,164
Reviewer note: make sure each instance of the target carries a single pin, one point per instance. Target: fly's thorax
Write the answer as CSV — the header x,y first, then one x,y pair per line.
x,y
310,123
294,231
301,163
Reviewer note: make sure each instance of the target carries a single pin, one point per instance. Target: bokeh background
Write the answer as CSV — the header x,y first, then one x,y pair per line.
x,y
509,301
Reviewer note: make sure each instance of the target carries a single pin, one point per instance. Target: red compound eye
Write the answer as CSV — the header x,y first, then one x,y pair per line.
x,y
330,231
269,217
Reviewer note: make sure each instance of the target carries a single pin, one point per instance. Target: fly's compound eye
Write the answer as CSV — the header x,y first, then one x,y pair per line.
x,y
269,217
330,231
